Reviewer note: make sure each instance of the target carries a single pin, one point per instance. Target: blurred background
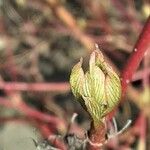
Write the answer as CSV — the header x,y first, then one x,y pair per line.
x,y
40,41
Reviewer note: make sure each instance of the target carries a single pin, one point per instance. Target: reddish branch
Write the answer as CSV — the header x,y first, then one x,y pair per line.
x,y
141,47
22,86
140,74
46,132
97,137
31,112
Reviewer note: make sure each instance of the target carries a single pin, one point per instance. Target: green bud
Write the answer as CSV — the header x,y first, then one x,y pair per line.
x,y
98,89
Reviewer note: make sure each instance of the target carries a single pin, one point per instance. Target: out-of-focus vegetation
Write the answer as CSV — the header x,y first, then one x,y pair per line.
x,y
40,41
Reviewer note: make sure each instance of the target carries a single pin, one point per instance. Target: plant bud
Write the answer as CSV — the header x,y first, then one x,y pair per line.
x,y
98,89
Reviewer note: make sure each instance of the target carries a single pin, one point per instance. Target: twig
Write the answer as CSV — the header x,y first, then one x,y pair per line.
x,y
97,137
136,57
40,87
31,112
139,74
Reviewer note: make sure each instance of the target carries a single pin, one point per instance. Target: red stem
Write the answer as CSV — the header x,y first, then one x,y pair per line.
x,y
40,87
140,74
136,57
46,131
97,136
33,113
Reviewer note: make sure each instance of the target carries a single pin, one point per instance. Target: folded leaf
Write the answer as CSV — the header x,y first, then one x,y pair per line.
x,y
99,89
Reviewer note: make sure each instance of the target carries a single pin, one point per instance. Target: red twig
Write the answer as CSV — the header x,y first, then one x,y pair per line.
x,y
46,132
146,75
32,113
140,49
40,87
97,136
139,74
13,119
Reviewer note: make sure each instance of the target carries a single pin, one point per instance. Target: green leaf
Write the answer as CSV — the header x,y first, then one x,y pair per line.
x,y
112,88
99,90
77,79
